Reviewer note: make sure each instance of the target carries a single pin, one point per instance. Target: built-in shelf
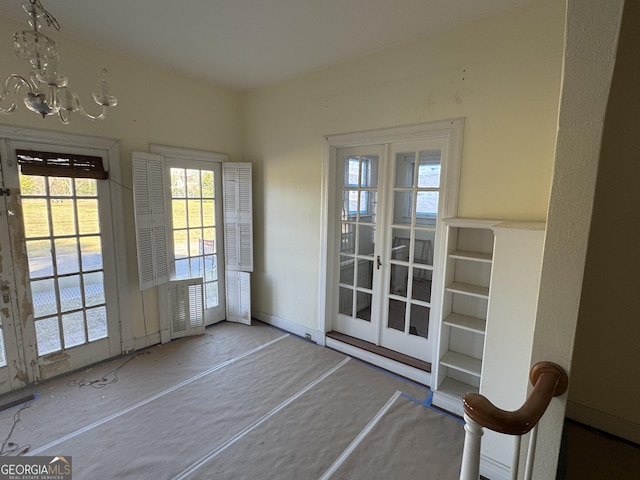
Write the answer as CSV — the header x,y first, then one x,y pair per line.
x,y
471,256
465,322
462,363
456,389
468,289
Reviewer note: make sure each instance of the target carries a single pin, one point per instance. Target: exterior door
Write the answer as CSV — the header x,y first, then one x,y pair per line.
x,y
62,263
195,240
388,221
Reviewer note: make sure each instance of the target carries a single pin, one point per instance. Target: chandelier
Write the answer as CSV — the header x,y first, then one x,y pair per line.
x,y
46,90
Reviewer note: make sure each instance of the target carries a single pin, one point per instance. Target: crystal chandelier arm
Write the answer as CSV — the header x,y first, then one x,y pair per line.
x,y
8,89
76,106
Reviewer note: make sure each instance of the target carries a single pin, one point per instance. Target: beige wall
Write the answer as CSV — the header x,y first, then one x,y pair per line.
x,y
502,74
604,387
155,106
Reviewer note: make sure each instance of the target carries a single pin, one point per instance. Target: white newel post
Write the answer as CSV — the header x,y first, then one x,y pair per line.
x,y
471,453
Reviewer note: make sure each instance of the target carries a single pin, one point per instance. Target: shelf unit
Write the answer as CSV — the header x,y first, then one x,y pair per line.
x,y
465,298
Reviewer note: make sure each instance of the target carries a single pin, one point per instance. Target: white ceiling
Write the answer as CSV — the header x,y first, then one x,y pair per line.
x,y
243,44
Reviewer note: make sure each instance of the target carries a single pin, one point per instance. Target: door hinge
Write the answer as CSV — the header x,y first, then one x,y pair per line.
x,y
5,191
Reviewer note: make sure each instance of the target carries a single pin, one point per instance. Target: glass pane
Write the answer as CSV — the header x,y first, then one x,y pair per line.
x,y
402,208
208,241
364,306
427,204
345,301
195,242
349,204
63,218
180,244
86,187
196,265
369,171
421,284
366,240
67,260
182,268
36,219
396,315
73,329
178,183
97,323
207,184
32,185
91,252
423,246
48,335
210,268
399,280
179,213
93,289
405,165
39,255
193,183
88,217
60,186
429,169
44,298
195,213
348,238
419,321
400,238
346,270
208,213
365,273
351,171
70,297
211,294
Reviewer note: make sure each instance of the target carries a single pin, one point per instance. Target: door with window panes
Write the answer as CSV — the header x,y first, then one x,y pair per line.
x,y
58,242
387,223
195,238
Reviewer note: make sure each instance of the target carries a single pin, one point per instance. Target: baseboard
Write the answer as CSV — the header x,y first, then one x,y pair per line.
x,y
494,470
289,326
143,342
604,421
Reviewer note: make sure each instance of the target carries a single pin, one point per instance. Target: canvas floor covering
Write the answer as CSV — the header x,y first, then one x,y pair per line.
x,y
236,403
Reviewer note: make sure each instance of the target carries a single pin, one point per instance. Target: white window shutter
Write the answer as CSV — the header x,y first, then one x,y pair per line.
x,y
150,218
238,216
238,285
186,307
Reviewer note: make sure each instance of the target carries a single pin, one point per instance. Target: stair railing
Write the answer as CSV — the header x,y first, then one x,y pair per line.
x,y
549,380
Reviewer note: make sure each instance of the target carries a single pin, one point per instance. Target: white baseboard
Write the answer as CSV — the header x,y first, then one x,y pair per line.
x,y
606,422
401,369
142,342
291,327
494,470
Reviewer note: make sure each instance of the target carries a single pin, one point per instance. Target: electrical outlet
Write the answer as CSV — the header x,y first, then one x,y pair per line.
x,y
307,336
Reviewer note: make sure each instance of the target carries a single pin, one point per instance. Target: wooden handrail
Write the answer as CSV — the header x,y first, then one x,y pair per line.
x,y
548,379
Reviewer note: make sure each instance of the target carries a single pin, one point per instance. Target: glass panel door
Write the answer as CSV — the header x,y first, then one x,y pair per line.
x,y
358,260
414,201
196,232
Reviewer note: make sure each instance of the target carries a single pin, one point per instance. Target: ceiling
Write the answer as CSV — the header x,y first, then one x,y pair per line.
x,y
243,44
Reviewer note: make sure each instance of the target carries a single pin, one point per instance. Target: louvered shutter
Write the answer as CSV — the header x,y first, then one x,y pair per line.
x,y
186,307
151,228
238,216
238,287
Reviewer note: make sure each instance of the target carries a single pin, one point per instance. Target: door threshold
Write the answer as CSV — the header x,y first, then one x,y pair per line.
x,y
398,363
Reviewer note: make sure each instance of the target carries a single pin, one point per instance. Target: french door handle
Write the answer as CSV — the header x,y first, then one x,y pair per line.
x,y
378,263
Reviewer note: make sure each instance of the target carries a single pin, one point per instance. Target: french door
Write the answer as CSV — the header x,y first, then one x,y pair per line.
x,y
389,205
58,265
194,194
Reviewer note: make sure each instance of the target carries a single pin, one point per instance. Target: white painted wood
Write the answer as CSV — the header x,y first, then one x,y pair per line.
x,y
238,297
468,289
464,363
150,219
186,301
470,469
294,328
465,322
238,216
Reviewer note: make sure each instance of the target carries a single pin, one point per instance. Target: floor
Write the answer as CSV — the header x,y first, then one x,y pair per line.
x,y
236,402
